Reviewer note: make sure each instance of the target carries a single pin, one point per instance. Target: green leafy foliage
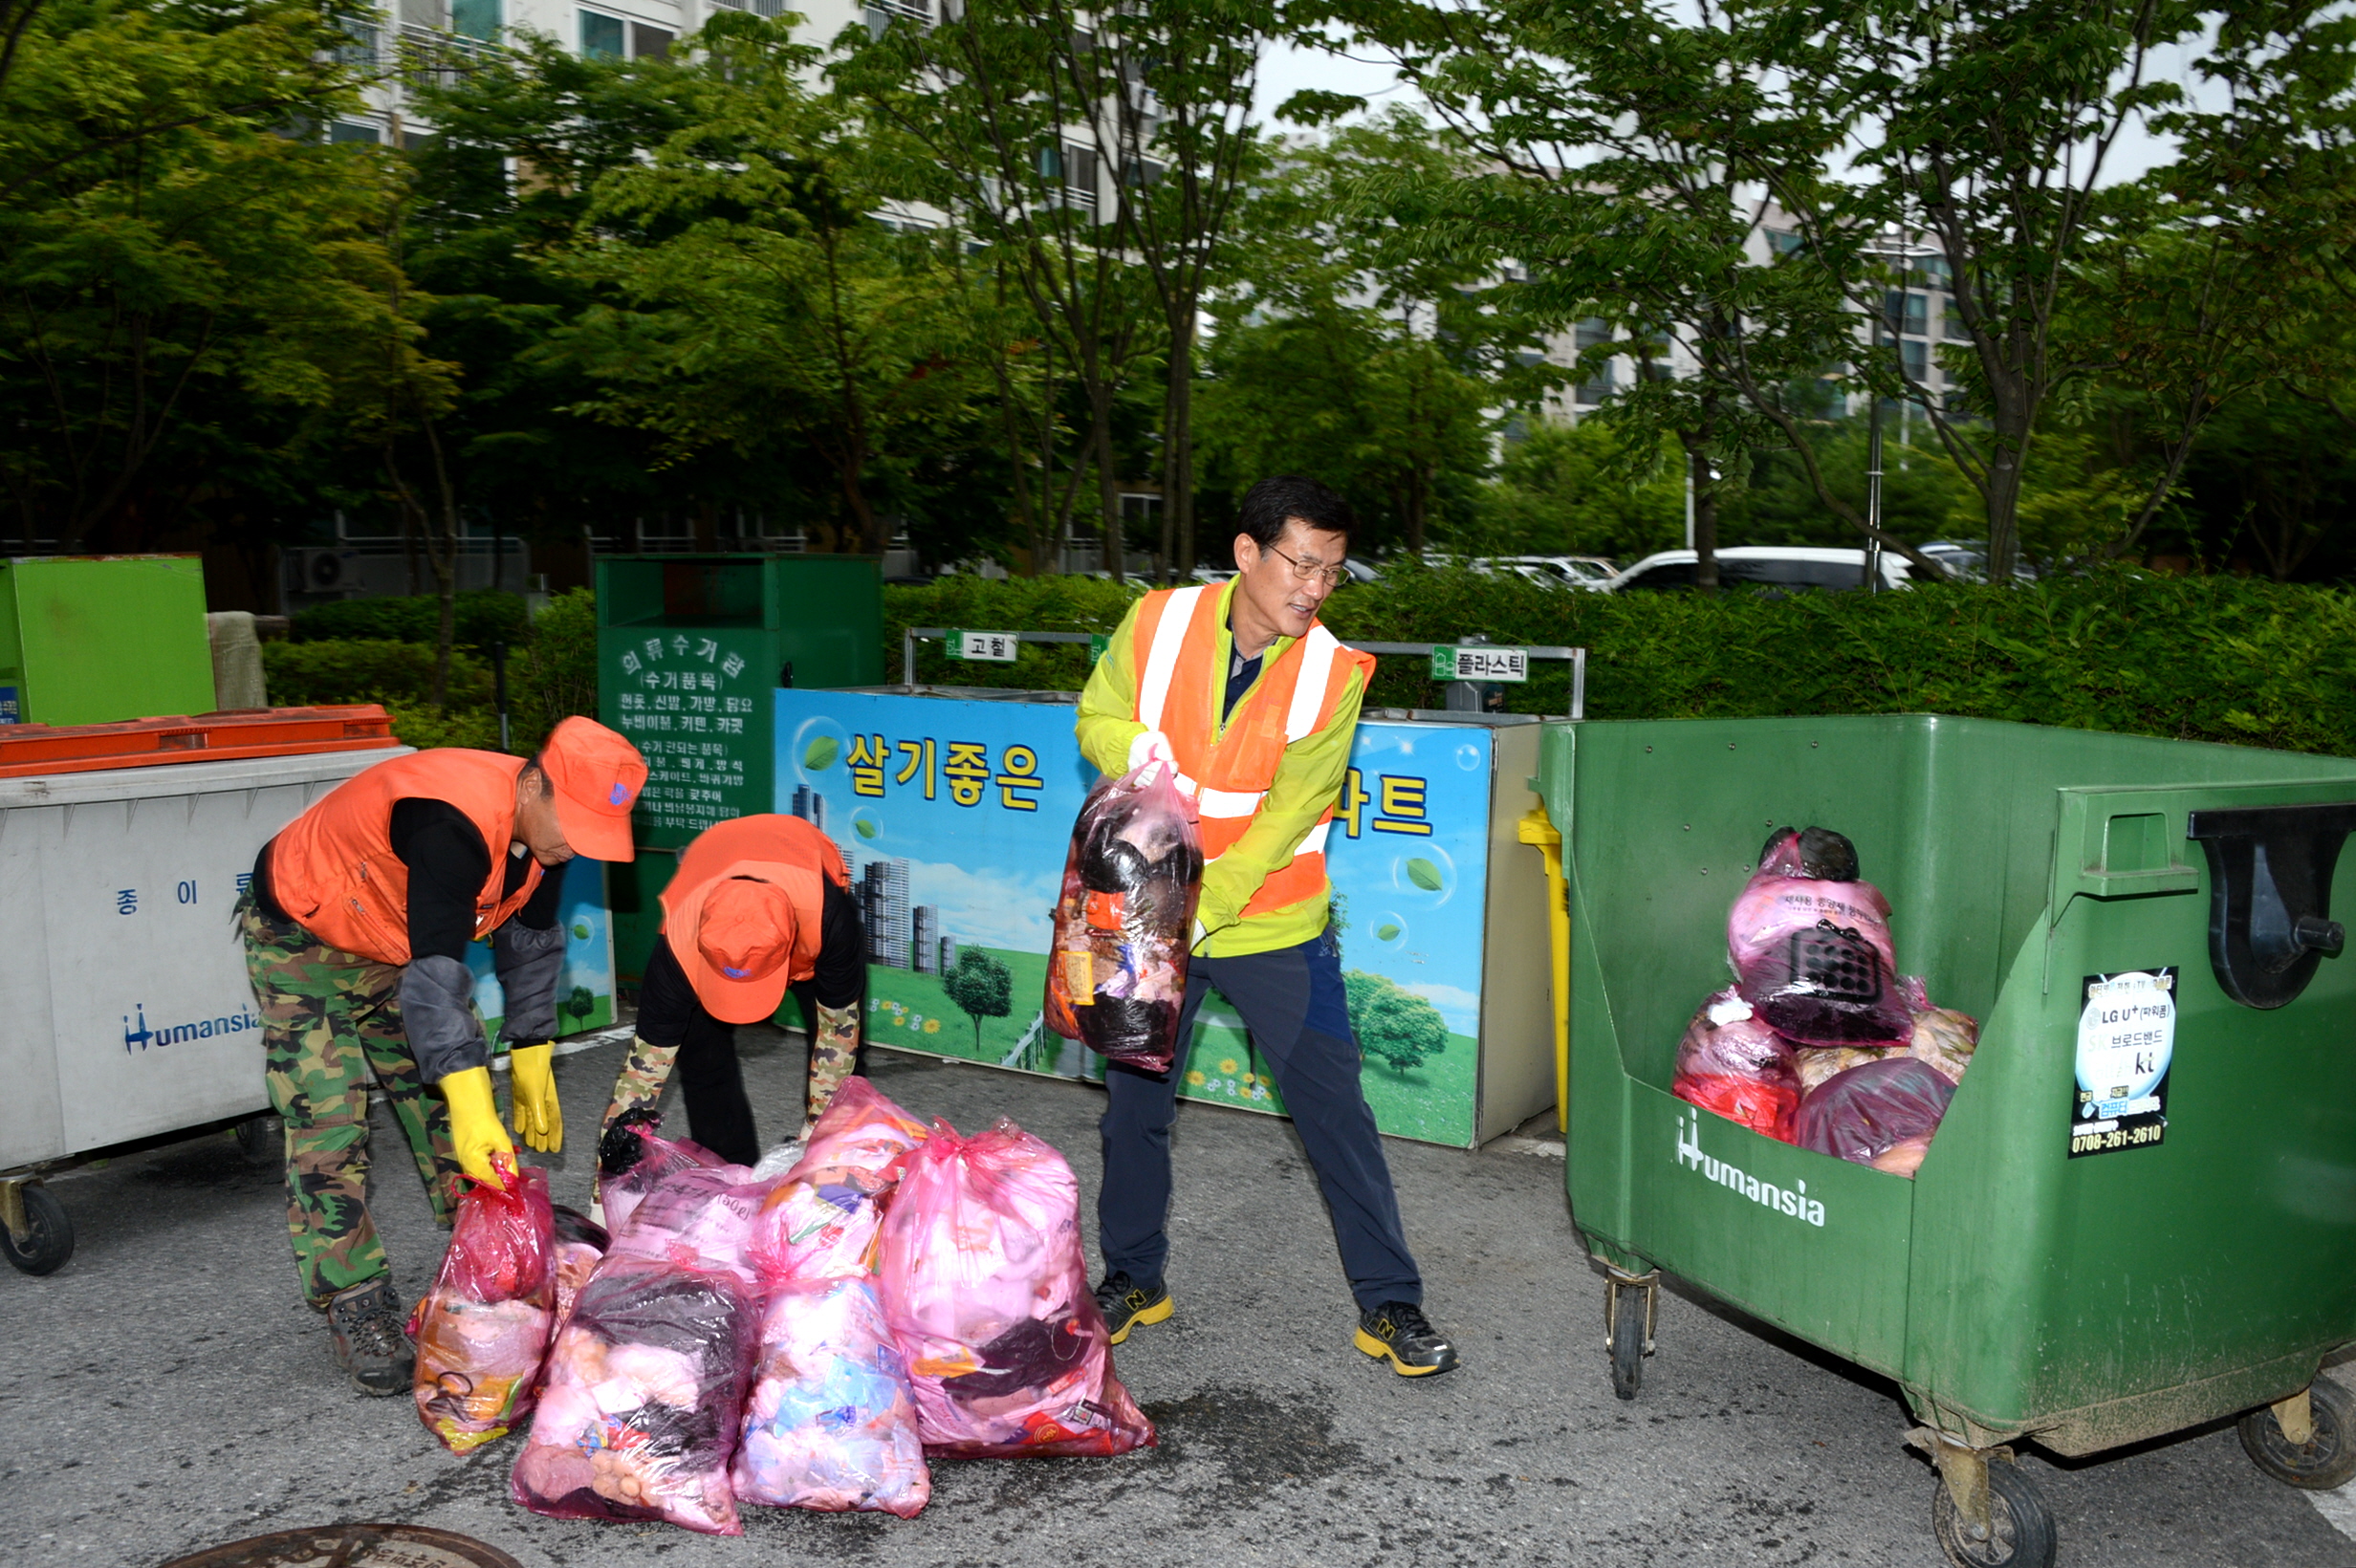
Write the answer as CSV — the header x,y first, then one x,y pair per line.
x,y
484,616
1393,1025
2219,659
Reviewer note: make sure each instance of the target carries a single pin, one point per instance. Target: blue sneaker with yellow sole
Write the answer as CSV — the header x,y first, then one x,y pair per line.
x,y
1399,1333
1125,1304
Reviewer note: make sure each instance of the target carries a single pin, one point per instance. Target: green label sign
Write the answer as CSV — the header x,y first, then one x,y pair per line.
x,y
1098,643
1475,662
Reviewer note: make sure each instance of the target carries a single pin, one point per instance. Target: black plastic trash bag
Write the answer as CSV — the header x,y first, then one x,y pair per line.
x,y
1124,925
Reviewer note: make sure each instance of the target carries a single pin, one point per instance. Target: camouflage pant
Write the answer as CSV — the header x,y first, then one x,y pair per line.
x,y
332,1021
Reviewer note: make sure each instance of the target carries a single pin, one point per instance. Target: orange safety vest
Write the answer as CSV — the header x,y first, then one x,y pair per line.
x,y
333,869
784,850
1180,690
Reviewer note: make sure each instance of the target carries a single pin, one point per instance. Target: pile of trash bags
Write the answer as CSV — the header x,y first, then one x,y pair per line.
x,y
1820,1042
1117,975
806,1337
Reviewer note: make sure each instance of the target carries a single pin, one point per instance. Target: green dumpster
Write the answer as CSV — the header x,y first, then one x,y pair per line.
x,y
2078,1280
690,650
97,639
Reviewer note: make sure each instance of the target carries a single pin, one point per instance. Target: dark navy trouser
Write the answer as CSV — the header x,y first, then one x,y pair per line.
x,y
1293,1003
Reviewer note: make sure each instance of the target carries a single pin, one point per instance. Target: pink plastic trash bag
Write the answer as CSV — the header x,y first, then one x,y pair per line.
x,y
632,1157
639,1413
822,1221
1810,945
986,1294
829,1424
1868,1112
483,1329
580,1246
1733,1065
701,1217
1118,972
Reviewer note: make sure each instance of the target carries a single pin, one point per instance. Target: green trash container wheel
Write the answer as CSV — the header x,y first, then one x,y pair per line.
x,y
2327,1459
2020,1530
1629,1302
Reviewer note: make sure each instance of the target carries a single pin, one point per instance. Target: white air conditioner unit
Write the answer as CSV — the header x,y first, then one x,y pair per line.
x,y
325,571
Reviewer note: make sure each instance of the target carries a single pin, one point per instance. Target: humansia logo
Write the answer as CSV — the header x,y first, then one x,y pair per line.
x,y
1783,1200
202,1029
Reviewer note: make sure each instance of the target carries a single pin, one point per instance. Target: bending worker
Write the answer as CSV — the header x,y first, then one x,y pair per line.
x,y
356,931
1252,702
758,905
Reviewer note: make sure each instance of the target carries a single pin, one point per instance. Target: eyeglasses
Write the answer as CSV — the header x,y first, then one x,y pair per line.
x,y
1312,571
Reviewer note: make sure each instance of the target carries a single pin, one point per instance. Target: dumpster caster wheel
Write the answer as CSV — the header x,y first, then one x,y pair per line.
x,y
261,1140
1628,1327
2327,1458
45,1238
2021,1531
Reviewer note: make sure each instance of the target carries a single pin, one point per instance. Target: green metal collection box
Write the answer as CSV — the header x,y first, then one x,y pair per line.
x,y
2079,1271
690,649
97,639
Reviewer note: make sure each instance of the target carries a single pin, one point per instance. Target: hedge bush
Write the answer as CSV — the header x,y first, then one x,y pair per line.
x,y
551,667
2221,659
484,616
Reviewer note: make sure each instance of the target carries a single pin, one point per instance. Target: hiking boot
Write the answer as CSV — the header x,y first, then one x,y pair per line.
x,y
371,1343
1398,1332
1125,1304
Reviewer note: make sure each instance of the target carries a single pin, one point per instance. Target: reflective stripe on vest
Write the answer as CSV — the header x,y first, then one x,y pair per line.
x,y
1229,777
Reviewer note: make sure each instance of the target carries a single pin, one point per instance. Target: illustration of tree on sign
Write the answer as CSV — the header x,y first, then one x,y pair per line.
x,y
981,987
580,1004
1396,1027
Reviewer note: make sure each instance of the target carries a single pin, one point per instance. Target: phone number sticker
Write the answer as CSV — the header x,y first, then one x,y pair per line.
x,y
2126,1037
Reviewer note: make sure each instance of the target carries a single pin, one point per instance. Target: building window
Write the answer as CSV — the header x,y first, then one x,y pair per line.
x,y
1782,242
601,36
1916,355
476,18
649,43
1956,331
1906,311
1594,333
344,130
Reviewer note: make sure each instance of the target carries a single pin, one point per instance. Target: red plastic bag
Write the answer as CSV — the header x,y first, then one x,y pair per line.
x,y
987,1292
639,1413
1810,944
1880,1114
482,1329
1733,1065
822,1221
1116,974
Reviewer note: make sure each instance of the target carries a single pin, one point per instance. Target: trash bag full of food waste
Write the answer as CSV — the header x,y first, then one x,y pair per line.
x,y
1731,1063
1880,1114
986,1291
829,1424
1809,940
1116,974
482,1329
640,1409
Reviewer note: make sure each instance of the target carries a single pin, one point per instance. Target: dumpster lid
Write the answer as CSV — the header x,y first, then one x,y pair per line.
x,y
30,749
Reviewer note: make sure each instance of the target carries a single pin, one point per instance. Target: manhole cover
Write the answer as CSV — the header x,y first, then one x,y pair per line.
x,y
352,1546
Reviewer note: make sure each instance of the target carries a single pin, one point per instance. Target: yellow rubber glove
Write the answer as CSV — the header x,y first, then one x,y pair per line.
x,y
476,1135
539,1121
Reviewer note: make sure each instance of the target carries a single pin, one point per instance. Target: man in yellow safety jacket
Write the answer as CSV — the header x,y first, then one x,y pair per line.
x,y
1253,703
356,924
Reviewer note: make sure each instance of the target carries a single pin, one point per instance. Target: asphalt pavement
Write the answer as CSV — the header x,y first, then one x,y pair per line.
x,y
167,1390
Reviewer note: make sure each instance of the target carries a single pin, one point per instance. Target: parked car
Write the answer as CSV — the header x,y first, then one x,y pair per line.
x,y
1967,559
1780,567
1591,572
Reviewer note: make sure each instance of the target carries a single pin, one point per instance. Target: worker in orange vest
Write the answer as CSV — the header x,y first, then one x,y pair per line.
x,y
1253,703
759,904
356,926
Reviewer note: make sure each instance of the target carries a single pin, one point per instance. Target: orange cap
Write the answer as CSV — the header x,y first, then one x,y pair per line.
x,y
734,943
596,776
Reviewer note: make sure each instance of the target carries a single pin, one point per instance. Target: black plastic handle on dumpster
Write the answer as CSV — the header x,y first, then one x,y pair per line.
x,y
2270,895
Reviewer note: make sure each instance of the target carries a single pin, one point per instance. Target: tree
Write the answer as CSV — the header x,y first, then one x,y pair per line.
x,y
1582,490
181,281
980,987
1393,1025
990,106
